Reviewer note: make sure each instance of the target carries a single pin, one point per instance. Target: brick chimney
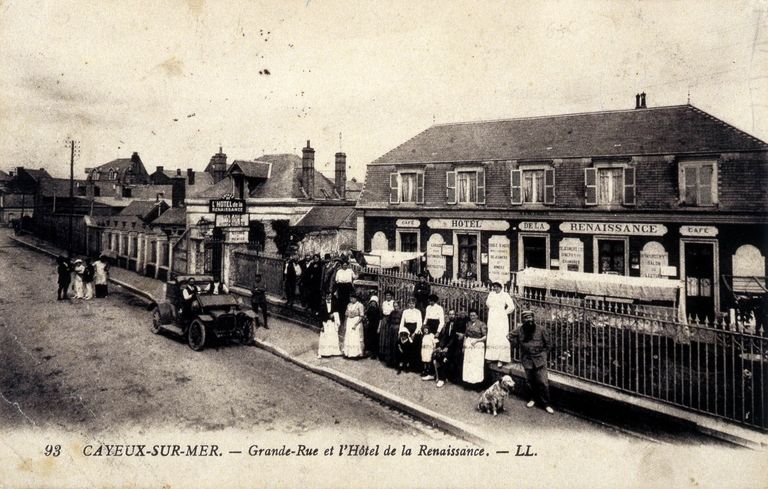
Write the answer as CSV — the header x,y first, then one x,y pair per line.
x,y
159,169
308,170
218,166
178,172
637,101
642,101
190,176
341,175
178,191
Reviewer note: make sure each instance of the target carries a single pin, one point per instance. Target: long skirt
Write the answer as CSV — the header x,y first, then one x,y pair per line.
x,y
353,337
343,291
473,370
79,287
386,345
328,344
498,348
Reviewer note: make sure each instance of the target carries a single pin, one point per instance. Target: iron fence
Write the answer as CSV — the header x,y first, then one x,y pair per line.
x,y
713,368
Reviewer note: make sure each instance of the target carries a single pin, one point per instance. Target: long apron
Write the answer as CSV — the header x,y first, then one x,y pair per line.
x,y
473,369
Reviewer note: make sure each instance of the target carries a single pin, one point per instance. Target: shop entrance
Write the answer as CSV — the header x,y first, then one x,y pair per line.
x,y
214,253
466,256
700,284
534,252
612,256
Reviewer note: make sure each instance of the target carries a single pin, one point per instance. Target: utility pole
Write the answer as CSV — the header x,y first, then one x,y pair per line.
x,y
72,145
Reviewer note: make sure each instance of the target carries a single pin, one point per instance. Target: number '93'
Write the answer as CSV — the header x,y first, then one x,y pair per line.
x,y
52,450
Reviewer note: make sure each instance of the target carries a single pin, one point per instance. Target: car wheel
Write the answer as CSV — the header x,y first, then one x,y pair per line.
x,y
157,323
247,332
196,335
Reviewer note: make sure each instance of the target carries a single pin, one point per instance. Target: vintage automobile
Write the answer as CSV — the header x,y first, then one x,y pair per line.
x,y
208,316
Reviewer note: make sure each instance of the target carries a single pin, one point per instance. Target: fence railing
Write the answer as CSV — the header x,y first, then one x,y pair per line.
x,y
716,368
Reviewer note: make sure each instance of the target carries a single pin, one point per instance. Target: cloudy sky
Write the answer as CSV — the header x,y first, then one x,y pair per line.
x,y
174,79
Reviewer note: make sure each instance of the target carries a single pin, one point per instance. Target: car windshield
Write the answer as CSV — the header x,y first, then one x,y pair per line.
x,y
219,300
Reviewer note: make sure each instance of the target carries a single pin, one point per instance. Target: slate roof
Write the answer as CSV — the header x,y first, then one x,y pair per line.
x,y
327,217
657,130
284,179
175,216
139,208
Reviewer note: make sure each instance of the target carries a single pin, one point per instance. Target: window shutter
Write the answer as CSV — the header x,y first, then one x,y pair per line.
x,y
394,188
549,186
450,187
629,186
481,186
590,186
516,189
419,188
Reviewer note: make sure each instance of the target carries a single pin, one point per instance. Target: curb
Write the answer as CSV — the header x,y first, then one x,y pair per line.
x,y
130,288
444,423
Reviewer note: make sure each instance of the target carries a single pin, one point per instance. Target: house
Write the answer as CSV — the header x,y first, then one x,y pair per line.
x,y
668,192
18,189
256,206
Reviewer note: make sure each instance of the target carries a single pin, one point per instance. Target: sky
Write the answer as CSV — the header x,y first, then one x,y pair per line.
x,y
175,79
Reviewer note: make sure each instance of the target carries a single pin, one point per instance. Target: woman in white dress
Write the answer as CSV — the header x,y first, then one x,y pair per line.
x,y
500,306
473,370
353,329
328,345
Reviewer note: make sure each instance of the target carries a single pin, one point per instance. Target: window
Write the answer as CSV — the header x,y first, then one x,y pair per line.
x,y
164,251
406,187
533,186
409,241
467,257
465,186
609,186
153,252
611,256
698,183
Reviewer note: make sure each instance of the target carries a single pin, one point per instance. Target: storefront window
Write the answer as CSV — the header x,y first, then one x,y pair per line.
x,y
467,257
409,242
611,257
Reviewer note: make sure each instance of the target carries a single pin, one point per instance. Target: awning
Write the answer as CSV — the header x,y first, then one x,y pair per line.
x,y
390,259
642,288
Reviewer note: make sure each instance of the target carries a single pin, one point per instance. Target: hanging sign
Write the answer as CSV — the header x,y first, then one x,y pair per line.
x,y
231,220
407,223
227,206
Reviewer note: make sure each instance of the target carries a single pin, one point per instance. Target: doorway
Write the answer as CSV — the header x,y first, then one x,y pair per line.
x,y
700,274
214,254
466,256
611,256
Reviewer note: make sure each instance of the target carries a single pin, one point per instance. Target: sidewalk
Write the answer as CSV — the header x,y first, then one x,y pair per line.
x,y
450,408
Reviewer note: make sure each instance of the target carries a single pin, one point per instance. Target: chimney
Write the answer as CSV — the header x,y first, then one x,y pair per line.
x,y
178,172
190,176
178,191
159,169
637,100
218,166
308,170
341,175
642,101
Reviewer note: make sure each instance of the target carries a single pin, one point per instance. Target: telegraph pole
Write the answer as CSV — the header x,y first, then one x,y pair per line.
x,y
72,145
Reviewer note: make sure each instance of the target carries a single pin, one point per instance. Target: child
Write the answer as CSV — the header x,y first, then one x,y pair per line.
x,y
427,347
404,344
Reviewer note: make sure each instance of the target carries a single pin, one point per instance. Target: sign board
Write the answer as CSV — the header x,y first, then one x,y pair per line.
x,y
701,231
227,206
571,252
407,223
617,228
670,271
448,250
237,236
533,226
436,265
379,241
231,220
468,224
498,259
653,259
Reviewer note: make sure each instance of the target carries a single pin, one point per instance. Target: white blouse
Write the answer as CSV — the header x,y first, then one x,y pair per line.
x,y
345,276
410,316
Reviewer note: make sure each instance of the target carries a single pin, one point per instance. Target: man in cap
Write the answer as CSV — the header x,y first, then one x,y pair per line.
x,y
534,345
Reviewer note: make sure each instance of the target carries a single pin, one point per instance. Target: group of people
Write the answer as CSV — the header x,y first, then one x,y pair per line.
x,y
86,279
311,278
440,347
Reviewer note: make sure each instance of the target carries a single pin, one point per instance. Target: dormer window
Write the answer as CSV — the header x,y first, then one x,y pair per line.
x,y
406,187
698,183
465,186
534,184
609,185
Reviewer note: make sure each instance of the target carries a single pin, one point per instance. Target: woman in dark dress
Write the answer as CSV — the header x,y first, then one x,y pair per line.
x,y
391,334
